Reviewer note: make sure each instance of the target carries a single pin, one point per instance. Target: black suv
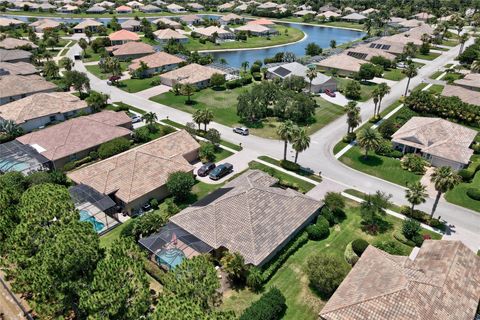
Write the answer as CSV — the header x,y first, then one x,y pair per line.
x,y
204,170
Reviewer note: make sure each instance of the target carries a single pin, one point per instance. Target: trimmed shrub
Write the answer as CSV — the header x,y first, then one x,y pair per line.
x,y
113,147
349,137
350,256
359,246
414,163
270,306
289,165
179,184
255,279
400,237
326,272
257,76
385,148
207,152
318,231
141,135
154,203
474,193
411,228
466,175
418,239
328,214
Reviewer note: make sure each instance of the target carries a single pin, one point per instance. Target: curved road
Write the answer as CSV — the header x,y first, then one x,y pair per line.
x,y
319,157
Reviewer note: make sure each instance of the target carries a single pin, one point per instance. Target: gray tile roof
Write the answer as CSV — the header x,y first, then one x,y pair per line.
x,y
248,215
297,69
15,54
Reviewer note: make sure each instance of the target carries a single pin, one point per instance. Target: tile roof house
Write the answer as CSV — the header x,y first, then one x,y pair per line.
x,y
231,18
15,87
263,22
157,62
318,84
67,9
365,52
96,9
368,11
13,43
75,138
18,68
256,30
343,63
193,74
423,16
471,81
383,44
44,24
122,36
150,8
123,9
303,13
441,142
168,23
226,6
131,25
15,55
131,50
191,19
133,177
40,109
175,8
195,6
327,15
249,215
7,22
354,17
466,95
90,24
210,31
441,282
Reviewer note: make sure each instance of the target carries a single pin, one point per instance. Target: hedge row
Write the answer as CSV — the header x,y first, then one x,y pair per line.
x,y
468,174
270,306
422,217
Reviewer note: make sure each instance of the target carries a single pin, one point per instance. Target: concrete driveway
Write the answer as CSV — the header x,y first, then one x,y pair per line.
x,y
151,92
338,99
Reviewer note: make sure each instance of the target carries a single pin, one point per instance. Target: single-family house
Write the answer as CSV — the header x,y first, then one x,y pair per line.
x,y
41,109
74,139
471,81
423,16
191,19
348,10
106,4
46,7
44,24
256,30
266,6
466,95
96,9
342,63
124,9
368,11
226,6
317,85
15,87
328,7
157,62
303,13
122,36
411,23
9,22
14,43
263,22
165,35
134,4
131,50
150,8
365,52
231,18
87,24
17,68
327,15
441,282
175,8
383,44
135,176
195,6
250,215
67,9
193,74
15,55
131,25
214,33
354,17
440,142
241,8
167,23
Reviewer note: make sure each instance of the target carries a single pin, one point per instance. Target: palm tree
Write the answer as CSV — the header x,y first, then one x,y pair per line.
x,y
353,116
198,117
187,89
245,65
10,128
311,74
445,179
410,71
369,139
463,38
301,142
207,117
475,67
150,118
416,194
410,50
383,90
375,100
285,131
367,25
333,44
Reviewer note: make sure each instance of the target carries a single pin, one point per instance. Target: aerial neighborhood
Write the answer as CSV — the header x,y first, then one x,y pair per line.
x,y
239,160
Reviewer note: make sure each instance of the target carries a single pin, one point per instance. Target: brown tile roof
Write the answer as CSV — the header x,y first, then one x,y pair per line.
x,y
371,52
442,282
264,22
167,22
156,60
191,73
253,28
13,43
75,135
123,8
470,80
18,68
15,85
231,16
138,171
45,24
248,215
88,23
41,105
209,31
342,62
5,22
12,55
437,137
466,95
166,34
131,48
123,35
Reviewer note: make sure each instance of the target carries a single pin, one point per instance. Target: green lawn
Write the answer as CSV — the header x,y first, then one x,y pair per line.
x,y
90,56
366,87
303,186
440,48
96,71
430,56
286,35
379,166
136,85
436,74
394,75
436,88
343,24
459,194
302,302
449,43
307,174
107,239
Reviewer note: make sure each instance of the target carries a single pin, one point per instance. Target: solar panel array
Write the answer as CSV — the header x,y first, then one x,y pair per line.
x,y
380,46
358,55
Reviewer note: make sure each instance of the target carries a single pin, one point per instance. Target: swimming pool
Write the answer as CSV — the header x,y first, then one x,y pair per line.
x,y
97,225
13,166
170,257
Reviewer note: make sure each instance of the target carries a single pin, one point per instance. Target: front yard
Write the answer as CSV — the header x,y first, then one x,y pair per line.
x,y
136,85
459,194
430,56
365,91
394,75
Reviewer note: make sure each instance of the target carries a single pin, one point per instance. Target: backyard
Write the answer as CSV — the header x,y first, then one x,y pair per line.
x,y
302,302
459,194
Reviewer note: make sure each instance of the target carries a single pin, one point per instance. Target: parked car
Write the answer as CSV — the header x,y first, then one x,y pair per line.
x,y
205,169
241,130
146,207
136,118
113,79
329,93
221,171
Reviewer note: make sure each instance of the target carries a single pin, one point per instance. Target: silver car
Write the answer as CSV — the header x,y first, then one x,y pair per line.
x,y
241,130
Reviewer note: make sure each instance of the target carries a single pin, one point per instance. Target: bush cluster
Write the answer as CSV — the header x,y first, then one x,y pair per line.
x,y
422,217
113,147
474,193
390,246
349,137
289,165
350,256
326,272
270,306
359,246
238,82
414,163
320,230
468,173
385,148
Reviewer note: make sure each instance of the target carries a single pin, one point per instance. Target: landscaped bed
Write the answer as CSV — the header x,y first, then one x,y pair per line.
x,y
459,194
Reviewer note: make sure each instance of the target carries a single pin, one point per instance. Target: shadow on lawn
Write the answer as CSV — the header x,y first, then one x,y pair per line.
x,y
372,161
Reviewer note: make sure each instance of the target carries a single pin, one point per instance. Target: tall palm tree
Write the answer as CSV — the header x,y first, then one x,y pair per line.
x,y
369,139
463,38
445,179
410,50
375,100
353,116
198,117
207,117
416,194
150,118
475,67
311,74
285,131
367,25
245,65
10,128
383,90
410,71
301,142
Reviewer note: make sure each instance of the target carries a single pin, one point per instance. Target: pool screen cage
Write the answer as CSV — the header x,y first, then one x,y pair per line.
x,y
16,156
171,237
98,205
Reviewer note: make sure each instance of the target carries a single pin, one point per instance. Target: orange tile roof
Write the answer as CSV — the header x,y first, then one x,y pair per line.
x,y
122,35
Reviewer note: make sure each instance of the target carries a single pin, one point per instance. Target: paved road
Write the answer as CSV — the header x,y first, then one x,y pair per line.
x,y
319,156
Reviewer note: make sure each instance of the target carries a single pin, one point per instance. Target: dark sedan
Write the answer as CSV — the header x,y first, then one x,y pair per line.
x,y
221,171
205,169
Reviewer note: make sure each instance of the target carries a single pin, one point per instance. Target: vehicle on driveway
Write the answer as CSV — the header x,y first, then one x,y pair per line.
x,y
221,171
241,130
329,93
205,169
113,79
136,118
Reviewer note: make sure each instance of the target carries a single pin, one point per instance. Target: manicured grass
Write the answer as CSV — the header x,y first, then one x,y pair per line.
x,y
436,88
303,186
307,174
286,35
436,74
440,48
379,166
366,87
302,302
459,194
449,43
430,56
420,87
343,24
136,85
107,239
221,154
394,75
96,71
90,56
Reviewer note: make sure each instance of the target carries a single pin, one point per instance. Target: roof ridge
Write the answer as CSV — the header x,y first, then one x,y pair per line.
x,y
65,140
132,174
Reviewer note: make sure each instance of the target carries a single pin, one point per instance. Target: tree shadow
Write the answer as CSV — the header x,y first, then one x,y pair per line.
x,y
221,88
371,160
322,295
253,124
191,103
378,226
